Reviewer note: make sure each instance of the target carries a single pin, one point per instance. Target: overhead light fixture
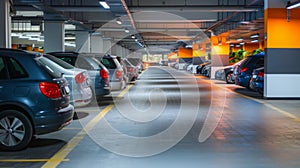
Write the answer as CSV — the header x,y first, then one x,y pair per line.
x,y
240,39
136,40
254,41
242,43
292,5
231,45
126,30
237,45
254,35
119,21
104,4
132,36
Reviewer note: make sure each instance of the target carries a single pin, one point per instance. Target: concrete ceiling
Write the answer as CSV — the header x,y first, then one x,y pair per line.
x,y
163,23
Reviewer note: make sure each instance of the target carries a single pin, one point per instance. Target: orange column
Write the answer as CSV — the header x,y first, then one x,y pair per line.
x,y
219,51
282,48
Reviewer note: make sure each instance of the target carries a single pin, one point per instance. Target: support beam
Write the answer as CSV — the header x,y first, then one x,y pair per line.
x,y
54,36
5,26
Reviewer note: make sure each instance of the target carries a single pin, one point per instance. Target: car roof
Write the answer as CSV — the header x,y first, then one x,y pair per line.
x,y
75,54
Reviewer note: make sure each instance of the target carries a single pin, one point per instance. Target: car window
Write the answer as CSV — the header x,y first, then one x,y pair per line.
x,y
69,60
109,63
49,66
3,71
82,63
259,63
59,62
15,69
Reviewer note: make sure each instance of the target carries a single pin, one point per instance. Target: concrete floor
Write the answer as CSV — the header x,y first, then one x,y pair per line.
x,y
170,118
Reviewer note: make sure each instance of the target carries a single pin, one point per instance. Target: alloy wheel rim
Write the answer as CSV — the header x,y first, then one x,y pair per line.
x,y
12,131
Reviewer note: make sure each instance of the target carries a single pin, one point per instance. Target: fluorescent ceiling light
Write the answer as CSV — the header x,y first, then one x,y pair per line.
x,y
293,5
126,30
240,39
133,36
119,21
104,4
254,41
254,36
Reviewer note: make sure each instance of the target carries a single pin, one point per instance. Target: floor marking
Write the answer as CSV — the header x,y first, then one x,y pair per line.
x,y
60,156
29,160
283,112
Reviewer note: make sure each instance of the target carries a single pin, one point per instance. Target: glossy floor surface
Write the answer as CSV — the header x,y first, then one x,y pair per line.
x,y
170,118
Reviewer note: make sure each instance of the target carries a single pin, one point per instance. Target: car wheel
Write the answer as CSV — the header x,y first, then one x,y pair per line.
x,y
229,78
15,130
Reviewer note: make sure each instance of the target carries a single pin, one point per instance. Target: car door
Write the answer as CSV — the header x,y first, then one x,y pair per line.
x,y
12,73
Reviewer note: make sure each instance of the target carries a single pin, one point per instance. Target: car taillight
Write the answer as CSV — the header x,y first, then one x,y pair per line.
x,y
103,74
261,74
244,69
119,74
50,90
130,69
80,78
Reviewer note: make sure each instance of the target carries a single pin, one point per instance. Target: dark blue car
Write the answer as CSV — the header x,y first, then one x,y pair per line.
x,y
98,73
257,80
34,99
243,72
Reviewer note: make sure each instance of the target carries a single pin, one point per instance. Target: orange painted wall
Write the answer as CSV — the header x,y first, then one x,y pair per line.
x,y
199,50
220,49
281,33
172,55
185,53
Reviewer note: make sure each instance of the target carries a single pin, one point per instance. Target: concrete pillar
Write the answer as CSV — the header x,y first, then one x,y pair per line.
x,y
54,34
83,40
5,26
199,53
282,48
219,54
96,44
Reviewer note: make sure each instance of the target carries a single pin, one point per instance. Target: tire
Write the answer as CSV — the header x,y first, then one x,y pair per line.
x,y
15,130
228,78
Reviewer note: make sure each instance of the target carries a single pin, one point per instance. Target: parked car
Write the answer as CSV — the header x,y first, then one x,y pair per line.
x,y
137,62
257,80
126,77
34,99
206,70
116,73
226,73
244,71
81,91
132,71
98,73
199,68
189,68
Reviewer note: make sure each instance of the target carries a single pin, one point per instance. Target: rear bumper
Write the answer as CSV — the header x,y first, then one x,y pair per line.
x,y
55,121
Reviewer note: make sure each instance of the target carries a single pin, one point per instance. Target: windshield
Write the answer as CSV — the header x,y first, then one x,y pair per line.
x,y
59,62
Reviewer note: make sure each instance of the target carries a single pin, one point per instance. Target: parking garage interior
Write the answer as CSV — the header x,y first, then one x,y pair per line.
x,y
169,115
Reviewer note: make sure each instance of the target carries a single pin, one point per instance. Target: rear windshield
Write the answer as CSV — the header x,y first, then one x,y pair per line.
x,y
127,63
59,62
109,63
49,66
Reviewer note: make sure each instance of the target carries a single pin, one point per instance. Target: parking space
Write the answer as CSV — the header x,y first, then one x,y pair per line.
x,y
145,126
